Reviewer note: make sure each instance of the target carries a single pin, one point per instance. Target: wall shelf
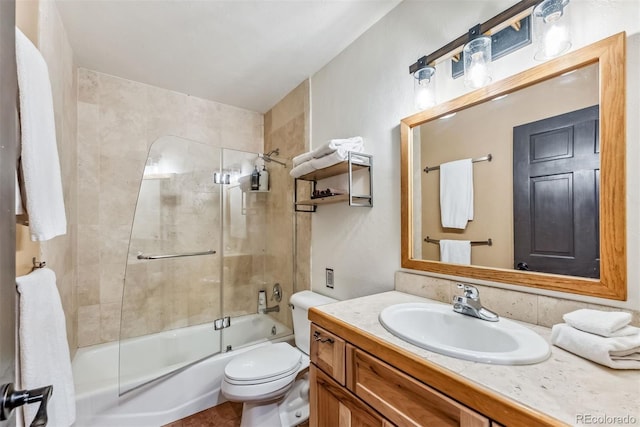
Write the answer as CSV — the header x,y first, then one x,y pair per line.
x,y
354,162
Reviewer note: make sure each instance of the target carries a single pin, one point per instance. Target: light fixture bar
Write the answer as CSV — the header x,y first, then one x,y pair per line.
x,y
507,15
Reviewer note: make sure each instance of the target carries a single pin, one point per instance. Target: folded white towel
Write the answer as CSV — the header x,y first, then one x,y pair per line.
x,y
355,144
301,158
455,251
615,352
44,351
40,164
605,323
456,193
302,169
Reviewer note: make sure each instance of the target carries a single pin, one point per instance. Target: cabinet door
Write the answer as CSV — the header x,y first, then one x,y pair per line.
x,y
402,399
333,406
327,352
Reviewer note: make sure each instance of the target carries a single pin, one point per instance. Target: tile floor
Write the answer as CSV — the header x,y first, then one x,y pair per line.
x,y
225,415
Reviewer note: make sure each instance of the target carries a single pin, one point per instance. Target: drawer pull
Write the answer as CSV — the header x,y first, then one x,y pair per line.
x,y
317,337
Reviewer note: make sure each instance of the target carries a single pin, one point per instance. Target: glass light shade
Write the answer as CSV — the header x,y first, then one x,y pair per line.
x,y
551,29
477,62
424,88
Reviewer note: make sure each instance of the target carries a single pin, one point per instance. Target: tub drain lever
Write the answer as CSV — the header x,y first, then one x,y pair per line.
x,y
10,398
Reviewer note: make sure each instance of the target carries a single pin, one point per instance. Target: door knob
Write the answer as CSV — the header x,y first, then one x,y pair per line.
x,y
10,398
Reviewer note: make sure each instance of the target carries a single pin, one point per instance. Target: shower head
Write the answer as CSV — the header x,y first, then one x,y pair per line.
x,y
267,157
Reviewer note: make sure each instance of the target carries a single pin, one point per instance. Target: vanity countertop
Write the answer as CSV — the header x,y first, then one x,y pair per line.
x,y
565,387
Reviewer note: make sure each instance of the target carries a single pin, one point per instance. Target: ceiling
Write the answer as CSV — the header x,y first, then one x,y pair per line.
x,y
245,53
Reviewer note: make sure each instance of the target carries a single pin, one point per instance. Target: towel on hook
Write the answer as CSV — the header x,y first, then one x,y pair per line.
x,y
43,348
455,251
603,323
614,352
456,193
40,164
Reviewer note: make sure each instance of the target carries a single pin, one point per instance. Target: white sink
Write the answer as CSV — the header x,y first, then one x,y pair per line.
x,y
438,328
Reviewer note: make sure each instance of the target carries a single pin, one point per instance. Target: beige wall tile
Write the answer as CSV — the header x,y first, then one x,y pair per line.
x,y
109,322
428,287
88,325
551,310
88,89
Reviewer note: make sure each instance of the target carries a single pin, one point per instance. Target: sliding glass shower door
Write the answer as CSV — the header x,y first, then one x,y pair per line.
x,y
172,290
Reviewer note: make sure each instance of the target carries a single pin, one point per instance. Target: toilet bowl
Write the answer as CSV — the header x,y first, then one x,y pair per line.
x,y
271,380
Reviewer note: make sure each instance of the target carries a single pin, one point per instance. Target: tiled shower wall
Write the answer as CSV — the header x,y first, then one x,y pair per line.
x,y
118,120
287,128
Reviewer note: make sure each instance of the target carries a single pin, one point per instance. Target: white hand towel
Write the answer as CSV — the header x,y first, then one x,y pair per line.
x,y
40,165
455,251
456,193
604,323
615,352
355,144
44,351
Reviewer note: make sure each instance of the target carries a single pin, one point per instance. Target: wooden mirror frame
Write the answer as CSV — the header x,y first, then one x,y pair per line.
x,y
609,54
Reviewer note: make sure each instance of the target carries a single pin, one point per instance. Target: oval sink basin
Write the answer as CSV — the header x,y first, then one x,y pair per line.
x,y
438,328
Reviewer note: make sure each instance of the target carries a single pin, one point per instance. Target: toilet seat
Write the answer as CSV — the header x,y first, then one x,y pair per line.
x,y
264,364
265,373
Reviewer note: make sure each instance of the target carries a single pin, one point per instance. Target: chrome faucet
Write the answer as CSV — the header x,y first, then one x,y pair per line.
x,y
469,304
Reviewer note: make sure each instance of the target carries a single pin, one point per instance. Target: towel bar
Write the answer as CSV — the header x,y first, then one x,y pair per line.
x,y
486,158
143,256
487,242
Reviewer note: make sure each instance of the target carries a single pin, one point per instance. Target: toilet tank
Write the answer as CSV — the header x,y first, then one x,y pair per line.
x,y
300,304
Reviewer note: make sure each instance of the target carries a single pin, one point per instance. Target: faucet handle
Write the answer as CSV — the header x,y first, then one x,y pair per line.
x,y
469,291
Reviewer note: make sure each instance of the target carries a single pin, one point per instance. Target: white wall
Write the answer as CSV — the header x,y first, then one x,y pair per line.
x,y
367,90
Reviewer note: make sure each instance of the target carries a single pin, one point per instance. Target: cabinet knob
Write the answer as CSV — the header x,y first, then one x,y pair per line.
x,y
317,337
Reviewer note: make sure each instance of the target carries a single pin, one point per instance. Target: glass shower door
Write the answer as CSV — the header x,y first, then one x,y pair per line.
x,y
244,242
172,289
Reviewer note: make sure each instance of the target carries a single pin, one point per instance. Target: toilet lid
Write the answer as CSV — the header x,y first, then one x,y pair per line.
x,y
264,362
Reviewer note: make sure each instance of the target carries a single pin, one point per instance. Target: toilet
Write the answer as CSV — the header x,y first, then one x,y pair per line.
x,y
264,379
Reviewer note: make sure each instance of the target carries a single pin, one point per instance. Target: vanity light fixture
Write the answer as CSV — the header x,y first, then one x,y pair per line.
x,y
477,59
424,88
471,54
551,29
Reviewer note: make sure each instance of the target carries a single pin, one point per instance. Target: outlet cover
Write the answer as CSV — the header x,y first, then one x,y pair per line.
x,y
329,277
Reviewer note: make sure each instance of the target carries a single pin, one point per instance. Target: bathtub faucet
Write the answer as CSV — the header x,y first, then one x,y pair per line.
x,y
275,308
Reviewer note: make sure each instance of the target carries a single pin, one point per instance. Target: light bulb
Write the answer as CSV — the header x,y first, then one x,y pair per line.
x,y
478,72
477,61
424,88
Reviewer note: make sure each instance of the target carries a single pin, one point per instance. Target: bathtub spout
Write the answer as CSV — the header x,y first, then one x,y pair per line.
x,y
275,308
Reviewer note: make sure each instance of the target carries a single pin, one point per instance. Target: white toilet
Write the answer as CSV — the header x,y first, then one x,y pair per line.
x,y
264,379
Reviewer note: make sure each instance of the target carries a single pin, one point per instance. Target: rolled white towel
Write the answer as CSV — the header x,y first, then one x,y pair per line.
x,y
614,352
604,323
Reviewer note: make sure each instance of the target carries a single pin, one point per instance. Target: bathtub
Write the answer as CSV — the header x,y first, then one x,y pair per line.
x,y
176,394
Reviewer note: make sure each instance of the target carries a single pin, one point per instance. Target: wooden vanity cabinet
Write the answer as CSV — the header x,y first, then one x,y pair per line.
x,y
350,387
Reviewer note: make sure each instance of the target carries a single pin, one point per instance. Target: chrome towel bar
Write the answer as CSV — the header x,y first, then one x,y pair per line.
x,y
143,256
487,242
486,158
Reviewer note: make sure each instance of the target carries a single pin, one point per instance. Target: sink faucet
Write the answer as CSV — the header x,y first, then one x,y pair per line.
x,y
469,304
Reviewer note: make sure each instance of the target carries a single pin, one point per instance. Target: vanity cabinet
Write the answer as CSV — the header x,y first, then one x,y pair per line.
x,y
354,162
348,383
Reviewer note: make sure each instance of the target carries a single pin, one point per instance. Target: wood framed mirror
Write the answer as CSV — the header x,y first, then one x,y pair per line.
x,y
604,61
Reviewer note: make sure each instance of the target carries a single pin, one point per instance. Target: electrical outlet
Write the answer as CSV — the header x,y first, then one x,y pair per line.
x,y
329,277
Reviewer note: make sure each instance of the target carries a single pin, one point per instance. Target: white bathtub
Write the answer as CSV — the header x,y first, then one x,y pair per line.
x,y
176,395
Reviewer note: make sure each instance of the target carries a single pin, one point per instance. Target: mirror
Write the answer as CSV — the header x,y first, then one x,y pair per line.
x,y
579,93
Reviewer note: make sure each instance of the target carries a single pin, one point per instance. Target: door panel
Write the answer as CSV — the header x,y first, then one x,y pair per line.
x,y
556,186
8,147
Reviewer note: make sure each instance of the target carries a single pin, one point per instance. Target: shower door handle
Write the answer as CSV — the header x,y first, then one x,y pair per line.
x,y
10,398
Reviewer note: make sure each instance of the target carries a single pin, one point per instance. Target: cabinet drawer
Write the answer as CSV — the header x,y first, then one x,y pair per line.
x,y
403,400
332,405
327,352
